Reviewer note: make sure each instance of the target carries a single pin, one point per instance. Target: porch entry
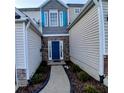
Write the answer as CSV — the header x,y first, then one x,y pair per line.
x,y
55,50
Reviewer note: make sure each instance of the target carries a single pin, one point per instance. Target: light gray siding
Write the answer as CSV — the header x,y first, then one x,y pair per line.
x,y
105,11
34,54
20,53
84,43
33,14
72,14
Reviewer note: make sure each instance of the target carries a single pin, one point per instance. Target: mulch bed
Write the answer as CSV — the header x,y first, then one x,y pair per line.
x,y
35,88
77,86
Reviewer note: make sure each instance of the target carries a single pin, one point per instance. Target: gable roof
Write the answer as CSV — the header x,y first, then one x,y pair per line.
x,y
17,12
75,5
47,1
25,18
30,9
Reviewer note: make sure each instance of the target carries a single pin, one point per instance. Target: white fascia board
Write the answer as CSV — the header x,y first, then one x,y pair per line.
x,y
21,20
57,0
44,3
47,35
20,13
62,3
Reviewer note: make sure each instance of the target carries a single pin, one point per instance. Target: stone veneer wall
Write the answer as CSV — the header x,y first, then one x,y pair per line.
x,y
65,40
21,75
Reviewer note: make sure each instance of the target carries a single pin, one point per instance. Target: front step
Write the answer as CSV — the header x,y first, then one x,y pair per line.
x,y
56,62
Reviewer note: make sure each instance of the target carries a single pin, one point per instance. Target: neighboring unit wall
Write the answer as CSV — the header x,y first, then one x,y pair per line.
x,y
105,11
84,43
21,75
72,14
33,14
34,54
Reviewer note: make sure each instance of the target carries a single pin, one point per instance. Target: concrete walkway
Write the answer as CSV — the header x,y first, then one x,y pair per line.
x,y
58,82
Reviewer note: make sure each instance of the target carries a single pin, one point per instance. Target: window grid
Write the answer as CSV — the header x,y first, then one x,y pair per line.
x,y
53,18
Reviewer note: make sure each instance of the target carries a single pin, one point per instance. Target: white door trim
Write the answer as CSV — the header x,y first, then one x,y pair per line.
x,y
50,49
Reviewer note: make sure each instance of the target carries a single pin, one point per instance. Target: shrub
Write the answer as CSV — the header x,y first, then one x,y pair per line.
x,y
83,76
88,88
37,78
75,68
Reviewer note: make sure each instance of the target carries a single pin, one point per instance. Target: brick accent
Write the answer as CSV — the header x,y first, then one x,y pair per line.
x,y
21,77
65,40
106,64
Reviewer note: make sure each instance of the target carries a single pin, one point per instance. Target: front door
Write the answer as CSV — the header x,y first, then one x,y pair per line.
x,y
55,50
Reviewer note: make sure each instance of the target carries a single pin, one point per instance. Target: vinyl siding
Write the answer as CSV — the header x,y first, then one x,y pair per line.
x,y
33,14
20,53
34,54
84,43
72,14
55,5
105,11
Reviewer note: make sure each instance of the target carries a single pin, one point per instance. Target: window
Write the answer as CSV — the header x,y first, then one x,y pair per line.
x,y
77,10
61,18
53,18
46,19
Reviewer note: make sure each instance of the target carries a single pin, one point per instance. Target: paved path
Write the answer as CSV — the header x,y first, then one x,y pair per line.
x,y
58,82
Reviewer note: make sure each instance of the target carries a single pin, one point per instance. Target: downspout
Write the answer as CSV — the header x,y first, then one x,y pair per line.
x,y
26,45
102,41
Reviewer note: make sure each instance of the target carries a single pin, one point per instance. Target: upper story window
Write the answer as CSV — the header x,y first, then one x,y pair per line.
x,y
53,18
46,19
61,18
77,10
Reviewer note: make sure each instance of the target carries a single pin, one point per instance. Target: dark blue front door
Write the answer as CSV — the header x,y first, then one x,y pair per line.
x,y
55,50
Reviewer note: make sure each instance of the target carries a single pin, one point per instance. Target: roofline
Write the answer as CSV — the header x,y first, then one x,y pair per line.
x,y
42,5
85,9
19,12
29,9
75,5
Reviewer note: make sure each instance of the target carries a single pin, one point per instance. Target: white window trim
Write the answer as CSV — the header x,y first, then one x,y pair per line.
x,y
50,49
46,19
61,49
75,10
53,11
47,35
61,18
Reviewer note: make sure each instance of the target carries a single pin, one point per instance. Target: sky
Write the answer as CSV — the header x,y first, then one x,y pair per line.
x,y
37,3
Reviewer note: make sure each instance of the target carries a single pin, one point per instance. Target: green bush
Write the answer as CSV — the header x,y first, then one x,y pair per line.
x,y
75,68
83,76
37,78
90,89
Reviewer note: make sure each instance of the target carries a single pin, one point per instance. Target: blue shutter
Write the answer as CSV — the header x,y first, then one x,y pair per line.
x,y
64,18
42,13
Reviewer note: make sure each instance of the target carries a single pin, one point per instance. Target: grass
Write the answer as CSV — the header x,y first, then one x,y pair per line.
x,y
89,88
38,77
83,76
